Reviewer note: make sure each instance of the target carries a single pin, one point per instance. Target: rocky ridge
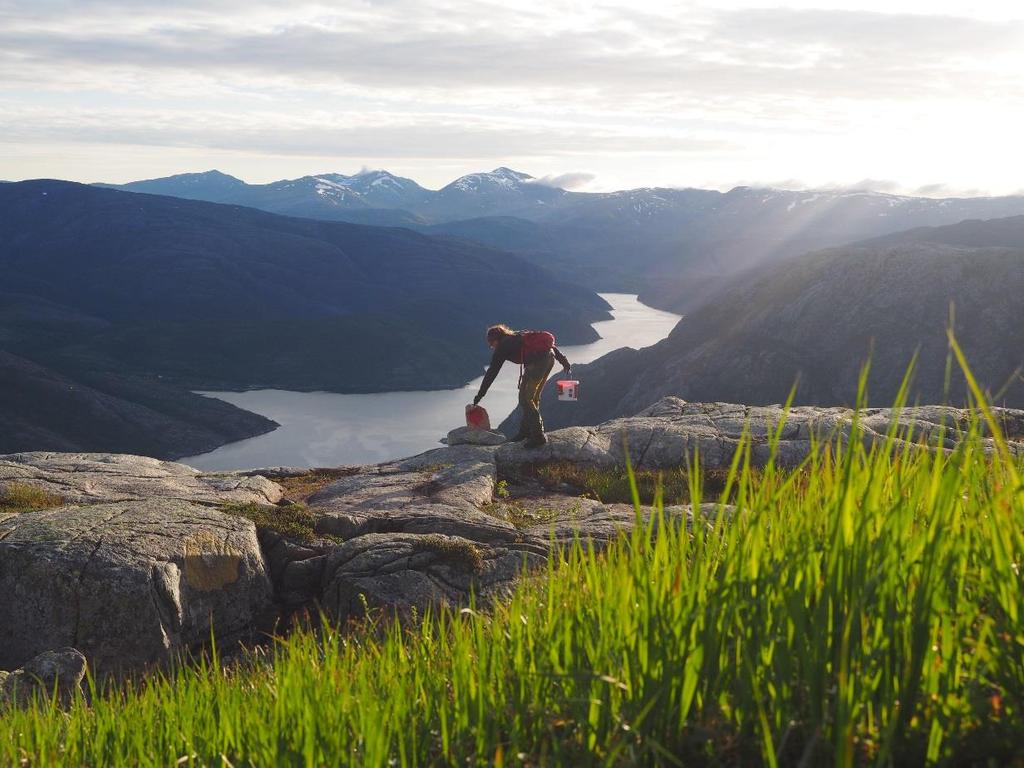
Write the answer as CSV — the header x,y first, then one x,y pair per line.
x,y
144,557
813,321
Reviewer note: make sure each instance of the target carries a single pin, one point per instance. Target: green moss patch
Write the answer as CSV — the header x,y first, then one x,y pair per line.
x,y
458,552
294,521
522,514
24,497
301,487
430,469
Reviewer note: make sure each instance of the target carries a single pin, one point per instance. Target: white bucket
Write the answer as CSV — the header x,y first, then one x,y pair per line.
x,y
568,389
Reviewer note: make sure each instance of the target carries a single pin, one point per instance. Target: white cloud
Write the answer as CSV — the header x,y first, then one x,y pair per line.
x,y
571,180
666,93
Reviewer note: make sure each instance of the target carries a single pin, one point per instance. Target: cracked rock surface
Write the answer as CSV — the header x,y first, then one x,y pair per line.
x,y
425,531
440,491
85,478
128,583
399,572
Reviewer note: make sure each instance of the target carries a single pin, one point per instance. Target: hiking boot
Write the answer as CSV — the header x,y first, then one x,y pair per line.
x,y
536,442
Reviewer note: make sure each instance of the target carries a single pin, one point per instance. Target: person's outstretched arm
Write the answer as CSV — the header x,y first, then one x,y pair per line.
x,y
562,360
496,360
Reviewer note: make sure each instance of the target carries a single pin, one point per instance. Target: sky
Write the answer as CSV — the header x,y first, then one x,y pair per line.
x,y
898,96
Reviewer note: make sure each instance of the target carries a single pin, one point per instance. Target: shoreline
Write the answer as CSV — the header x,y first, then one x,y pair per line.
x,y
322,428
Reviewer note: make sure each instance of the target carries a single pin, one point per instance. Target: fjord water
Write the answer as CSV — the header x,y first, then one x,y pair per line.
x,y
325,429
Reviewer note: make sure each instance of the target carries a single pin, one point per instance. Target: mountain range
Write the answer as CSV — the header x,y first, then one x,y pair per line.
x,y
815,319
140,296
376,197
675,247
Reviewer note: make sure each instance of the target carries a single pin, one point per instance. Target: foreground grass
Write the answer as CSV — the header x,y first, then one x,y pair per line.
x,y
865,610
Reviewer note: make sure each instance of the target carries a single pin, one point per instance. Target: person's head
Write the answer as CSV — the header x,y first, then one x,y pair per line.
x,y
498,332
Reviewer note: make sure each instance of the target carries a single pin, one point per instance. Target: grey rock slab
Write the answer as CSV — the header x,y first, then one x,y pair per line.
x,y
672,431
474,436
460,477
422,519
129,584
466,485
372,490
399,573
59,672
438,491
86,478
581,444
447,456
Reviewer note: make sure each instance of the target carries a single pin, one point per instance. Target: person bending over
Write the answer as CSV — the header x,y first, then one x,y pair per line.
x,y
536,352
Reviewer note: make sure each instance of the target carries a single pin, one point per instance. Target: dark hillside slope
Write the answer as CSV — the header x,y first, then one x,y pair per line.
x,y
44,410
818,317
118,303
1006,232
195,279
48,404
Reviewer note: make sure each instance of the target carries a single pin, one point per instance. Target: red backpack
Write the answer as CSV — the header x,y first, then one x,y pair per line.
x,y
535,342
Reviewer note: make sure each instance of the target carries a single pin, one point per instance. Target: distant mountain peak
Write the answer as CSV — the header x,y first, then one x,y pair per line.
x,y
373,181
508,173
499,178
213,175
384,179
195,186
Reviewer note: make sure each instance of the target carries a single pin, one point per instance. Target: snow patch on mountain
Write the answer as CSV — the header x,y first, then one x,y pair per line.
x,y
502,178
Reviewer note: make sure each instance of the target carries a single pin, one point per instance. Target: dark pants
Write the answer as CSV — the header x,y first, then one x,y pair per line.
x,y
535,374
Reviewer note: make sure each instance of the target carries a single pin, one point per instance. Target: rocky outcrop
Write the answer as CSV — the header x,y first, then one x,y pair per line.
x,y
132,582
401,572
52,673
440,491
128,583
296,569
416,534
85,478
672,431
813,321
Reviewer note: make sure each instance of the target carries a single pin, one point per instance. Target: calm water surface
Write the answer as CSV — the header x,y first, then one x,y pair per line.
x,y
324,429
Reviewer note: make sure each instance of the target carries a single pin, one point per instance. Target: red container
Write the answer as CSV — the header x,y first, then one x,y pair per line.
x,y
476,416
568,390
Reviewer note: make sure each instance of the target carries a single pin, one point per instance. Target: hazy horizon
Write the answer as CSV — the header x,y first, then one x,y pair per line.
x,y
866,186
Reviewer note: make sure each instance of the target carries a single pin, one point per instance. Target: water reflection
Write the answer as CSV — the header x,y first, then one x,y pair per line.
x,y
323,429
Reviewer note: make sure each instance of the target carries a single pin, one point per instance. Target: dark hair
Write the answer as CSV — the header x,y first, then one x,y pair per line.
x,y
496,332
